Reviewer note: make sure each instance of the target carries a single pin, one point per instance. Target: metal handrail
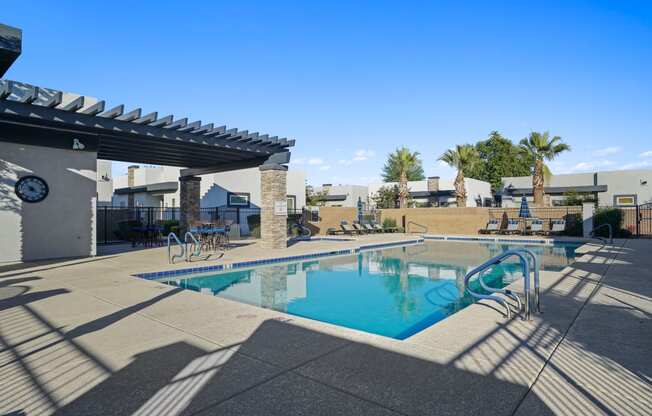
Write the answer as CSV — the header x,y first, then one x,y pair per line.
x,y
425,229
195,243
611,231
524,255
183,249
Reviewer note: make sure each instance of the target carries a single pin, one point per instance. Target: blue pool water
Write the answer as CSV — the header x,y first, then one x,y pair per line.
x,y
394,292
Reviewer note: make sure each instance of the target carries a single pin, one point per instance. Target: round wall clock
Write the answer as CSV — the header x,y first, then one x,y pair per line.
x,y
31,189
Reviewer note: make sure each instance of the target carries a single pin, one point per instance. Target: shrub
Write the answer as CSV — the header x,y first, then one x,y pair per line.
x,y
574,227
254,225
389,223
612,216
168,226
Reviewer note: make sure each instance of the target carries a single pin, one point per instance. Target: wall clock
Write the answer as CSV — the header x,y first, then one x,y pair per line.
x,y
31,189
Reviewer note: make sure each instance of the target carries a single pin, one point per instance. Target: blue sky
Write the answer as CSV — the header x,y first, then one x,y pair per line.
x,y
351,81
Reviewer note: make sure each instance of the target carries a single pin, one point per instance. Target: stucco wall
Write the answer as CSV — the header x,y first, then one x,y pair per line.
x,y
331,217
440,220
63,225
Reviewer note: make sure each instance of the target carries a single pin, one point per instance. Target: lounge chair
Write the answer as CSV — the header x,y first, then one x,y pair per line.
x,y
557,226
348,229
493,226
368,227
376,227
334,231
512,227
536,226
360,228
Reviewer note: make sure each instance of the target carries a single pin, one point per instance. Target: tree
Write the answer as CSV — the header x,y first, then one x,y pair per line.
x,y
540,147
403,166
315,199
463,158
499,158
386,196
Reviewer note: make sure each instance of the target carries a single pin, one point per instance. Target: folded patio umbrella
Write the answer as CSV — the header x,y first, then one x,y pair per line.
x,y
524,212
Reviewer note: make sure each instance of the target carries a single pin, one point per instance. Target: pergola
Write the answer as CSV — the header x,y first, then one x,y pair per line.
x,y
53,118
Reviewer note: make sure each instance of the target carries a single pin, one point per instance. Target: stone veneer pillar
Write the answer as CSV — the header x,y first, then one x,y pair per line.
x,y
273,225
189,202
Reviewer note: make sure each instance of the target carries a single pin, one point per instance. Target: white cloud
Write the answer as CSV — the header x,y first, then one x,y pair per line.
x,y
315,161
358,156
607,151
588,166
646,154
325,167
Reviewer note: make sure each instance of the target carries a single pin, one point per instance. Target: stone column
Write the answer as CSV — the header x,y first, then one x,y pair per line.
x,y
189,202
273,215
131,171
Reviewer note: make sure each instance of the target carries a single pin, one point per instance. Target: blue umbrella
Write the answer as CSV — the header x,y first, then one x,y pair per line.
x,y
524,212
360,213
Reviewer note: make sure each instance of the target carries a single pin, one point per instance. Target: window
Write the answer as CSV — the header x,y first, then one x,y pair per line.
x,y
624,200
292,203
237,199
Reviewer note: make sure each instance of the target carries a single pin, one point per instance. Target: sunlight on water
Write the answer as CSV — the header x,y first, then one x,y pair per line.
x,y
394,292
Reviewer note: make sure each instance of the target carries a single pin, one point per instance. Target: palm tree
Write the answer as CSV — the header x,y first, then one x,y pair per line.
x,y
463,158
402,166
540,147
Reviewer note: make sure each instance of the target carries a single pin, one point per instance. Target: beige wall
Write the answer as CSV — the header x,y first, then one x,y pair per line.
x,y
63,225
330,217
440,220
464,220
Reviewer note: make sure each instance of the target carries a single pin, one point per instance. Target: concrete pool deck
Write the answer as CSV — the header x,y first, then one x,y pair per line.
x,y
85,337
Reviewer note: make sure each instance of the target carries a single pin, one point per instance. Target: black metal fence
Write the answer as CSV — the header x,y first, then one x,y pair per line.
x,y
114,223
635,221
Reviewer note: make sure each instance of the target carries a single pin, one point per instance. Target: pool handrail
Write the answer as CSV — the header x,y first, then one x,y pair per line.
x,y
183,249
523,255
611,232
195,243
423,227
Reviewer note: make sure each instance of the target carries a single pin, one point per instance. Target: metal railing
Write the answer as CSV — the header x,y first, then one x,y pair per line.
x,y
524,256
424,229
609,227
196,246
183,249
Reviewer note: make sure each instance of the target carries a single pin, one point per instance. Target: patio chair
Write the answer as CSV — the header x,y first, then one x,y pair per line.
x,y
334,231
493,226
512,227
348,229
536,226
376,226
557,226
360,228
369,228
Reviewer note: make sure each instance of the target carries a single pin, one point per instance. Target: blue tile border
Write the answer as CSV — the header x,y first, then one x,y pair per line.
x,y
348,251
252,263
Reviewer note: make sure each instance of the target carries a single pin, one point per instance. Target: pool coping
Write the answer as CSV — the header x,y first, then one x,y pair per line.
x,y
273,260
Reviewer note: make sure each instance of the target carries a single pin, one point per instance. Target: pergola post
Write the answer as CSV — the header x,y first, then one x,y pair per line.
x,y
189,202
273,207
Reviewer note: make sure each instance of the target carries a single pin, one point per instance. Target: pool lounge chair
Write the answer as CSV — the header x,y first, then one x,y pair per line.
x,y
512,227
348,229
360,228
536,226
376,227
557,226
493,226
368,228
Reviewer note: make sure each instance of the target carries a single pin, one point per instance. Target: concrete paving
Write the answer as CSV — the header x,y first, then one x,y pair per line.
x,y
82,337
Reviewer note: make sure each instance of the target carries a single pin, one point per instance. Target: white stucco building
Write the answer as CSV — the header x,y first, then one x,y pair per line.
x,y
158,186
610,188
342,195
438,192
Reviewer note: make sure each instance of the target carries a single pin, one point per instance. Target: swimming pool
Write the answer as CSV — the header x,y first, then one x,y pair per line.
x,y
394,292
